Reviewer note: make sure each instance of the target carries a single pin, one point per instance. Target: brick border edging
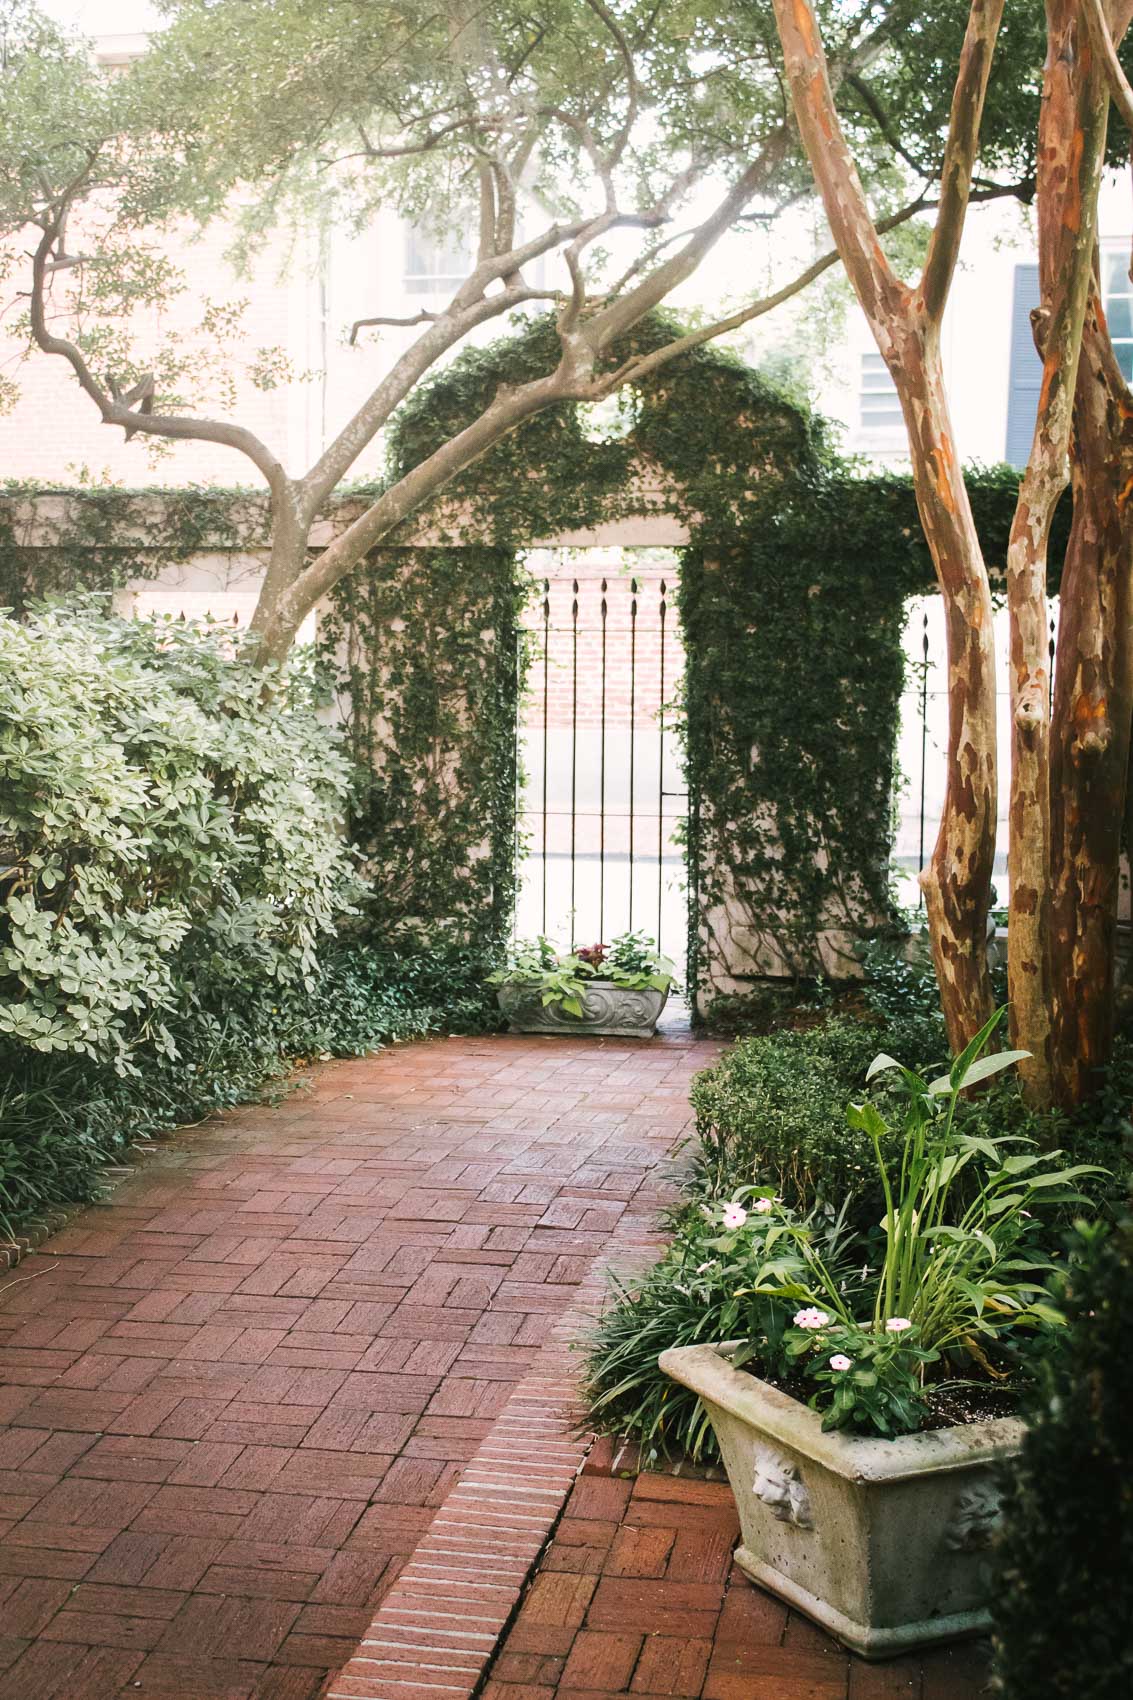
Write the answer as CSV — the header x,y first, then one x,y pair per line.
x,y
437,1631
34,1230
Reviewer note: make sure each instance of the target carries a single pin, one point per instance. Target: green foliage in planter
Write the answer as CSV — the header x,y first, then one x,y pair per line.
x,y
426,649
164,822
559,978
1064,1596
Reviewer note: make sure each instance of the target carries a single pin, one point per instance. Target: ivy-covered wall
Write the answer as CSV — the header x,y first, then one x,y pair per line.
x,y
425,647
792,592
792,597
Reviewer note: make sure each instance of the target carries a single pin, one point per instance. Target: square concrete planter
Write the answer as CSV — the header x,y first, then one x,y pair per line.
x,y
883,1542
613,1011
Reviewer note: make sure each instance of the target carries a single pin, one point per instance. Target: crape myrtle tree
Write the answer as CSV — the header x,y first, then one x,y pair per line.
x,y
586,117
1067,787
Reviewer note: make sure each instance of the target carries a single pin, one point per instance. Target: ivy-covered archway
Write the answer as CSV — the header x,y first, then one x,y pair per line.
x,y
792,620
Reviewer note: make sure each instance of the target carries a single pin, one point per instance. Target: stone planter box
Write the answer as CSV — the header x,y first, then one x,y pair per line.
x,y
882,1542
614,1011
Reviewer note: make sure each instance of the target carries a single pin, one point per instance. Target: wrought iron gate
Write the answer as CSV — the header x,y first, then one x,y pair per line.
x,y
603,791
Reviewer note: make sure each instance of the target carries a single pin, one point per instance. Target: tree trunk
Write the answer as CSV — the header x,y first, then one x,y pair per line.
x,y
1093,706
957,881
906,326
1072,127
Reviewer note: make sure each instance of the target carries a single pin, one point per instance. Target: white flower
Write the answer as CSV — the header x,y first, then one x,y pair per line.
x,y
840,1361
897,1325
734,1216
811,1318
763,1205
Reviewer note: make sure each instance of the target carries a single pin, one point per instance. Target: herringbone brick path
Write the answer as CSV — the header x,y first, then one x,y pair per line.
x,y
236,1393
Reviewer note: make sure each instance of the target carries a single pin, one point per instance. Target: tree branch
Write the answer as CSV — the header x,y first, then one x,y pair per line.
x,y
960,154
1101,40
120,412
602,11
633,370
881,293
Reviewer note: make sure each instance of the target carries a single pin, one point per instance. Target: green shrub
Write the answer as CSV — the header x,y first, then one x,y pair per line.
x,y
172,872
773,1110
1064,1598
168,827
63,1115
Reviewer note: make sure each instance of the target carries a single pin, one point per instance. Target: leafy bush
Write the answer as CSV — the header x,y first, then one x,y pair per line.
x,y
172,872
772,1110
63,1115
899,983
1063,1625
168,820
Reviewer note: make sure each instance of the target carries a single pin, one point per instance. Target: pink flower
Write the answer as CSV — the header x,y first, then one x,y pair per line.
x,y
840,1361
762,1206
897,1325
734,1215
811,1318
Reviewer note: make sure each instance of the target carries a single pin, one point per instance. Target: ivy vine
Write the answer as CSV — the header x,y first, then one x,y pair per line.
x,y
426,648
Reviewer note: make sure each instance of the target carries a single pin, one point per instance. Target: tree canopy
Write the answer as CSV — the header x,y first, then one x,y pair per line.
x,y
598,149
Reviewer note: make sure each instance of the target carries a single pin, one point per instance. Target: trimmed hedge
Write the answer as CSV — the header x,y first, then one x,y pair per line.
x,y
773,1109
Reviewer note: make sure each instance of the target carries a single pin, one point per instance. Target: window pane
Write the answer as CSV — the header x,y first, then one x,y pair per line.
x,y
1115,274
1119,312
878,406
433,261
1124,352
880,413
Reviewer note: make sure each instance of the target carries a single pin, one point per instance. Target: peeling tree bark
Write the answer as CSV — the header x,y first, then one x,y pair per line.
x,y
1072,129
906,325
1093,706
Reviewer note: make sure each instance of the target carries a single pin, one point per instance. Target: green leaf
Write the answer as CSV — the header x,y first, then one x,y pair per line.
x,y
963,1062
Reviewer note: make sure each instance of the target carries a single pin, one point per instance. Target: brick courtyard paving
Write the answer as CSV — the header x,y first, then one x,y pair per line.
x,y
638,1597
234,1395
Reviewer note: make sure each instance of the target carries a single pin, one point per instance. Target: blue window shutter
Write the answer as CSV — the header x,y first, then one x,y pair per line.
x,y
1025,377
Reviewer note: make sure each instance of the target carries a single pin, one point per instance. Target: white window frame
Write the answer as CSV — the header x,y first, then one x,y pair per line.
x,y
875,385
1115,267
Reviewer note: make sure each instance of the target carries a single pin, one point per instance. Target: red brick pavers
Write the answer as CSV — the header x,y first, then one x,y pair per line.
x,y
637,1596
236,1394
